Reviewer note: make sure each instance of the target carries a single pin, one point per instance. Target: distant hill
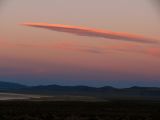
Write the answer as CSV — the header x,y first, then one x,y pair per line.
x,y
10,86
103,92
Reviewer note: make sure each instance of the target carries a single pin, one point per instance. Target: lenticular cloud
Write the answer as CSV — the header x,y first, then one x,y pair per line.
x,y
83,31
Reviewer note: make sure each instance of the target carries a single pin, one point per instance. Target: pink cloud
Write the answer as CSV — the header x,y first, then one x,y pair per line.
x,y
83,31
67,46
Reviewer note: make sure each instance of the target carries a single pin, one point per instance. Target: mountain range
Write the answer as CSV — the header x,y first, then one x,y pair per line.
x,y
103,92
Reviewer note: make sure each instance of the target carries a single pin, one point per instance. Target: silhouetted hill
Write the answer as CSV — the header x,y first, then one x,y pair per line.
x,y
60,90
10,86
105,92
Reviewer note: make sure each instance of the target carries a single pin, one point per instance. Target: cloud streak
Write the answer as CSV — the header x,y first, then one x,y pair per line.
x,y
58,46
83,31
116,48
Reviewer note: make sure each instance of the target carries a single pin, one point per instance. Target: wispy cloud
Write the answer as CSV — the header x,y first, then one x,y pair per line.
x,y
105,49
66,46
83,31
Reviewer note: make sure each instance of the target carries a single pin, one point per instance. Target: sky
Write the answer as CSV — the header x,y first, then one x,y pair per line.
x,y
80,42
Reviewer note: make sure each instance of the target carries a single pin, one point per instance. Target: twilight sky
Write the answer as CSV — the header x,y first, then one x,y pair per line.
x,y
88,56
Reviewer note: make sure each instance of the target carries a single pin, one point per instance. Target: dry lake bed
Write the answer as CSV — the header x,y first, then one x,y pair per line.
x,y
14,96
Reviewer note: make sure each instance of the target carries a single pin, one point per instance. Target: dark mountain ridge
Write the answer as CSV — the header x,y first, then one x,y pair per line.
x,y
106,91
10,86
